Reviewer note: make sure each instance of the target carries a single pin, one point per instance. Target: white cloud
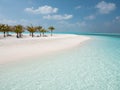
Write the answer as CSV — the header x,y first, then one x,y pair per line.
x,y
82,24
67,24
25,22
105,8
7,21
116,19
15,22
42,10
90,17
58,17
77,7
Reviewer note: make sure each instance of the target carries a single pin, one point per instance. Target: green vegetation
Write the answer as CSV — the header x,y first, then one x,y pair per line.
x,y
4,28
39,28
43,31
51,28
32,30
19,29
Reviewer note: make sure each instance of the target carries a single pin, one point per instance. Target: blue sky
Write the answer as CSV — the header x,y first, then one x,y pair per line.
x,y
65,15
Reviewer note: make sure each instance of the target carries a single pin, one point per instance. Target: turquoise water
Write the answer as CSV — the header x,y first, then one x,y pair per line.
x,y
93,65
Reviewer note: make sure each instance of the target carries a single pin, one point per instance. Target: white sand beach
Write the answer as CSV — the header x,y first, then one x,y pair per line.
x,y
13,49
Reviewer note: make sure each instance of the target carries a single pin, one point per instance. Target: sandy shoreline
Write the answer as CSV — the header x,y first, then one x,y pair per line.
x,y
12,49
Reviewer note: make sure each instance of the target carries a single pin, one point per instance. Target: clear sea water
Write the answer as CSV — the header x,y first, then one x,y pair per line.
x,y
93,65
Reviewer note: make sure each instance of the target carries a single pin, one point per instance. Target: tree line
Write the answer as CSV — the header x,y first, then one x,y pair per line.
x,y
19,29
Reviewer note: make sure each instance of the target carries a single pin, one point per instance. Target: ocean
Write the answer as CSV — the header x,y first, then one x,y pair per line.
x,y
92,65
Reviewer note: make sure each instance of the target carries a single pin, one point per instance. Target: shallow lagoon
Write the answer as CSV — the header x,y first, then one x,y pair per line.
x,y
93,65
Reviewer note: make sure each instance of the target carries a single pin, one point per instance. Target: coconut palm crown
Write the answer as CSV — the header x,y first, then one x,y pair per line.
x,y
39,28
31,29
4,28
43,31
51,28
18,29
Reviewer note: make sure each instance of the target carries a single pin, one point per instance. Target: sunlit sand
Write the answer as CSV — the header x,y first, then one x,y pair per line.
x,y
14,49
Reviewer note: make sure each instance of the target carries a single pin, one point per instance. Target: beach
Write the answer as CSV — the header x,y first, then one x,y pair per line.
x,y
61,62
15,49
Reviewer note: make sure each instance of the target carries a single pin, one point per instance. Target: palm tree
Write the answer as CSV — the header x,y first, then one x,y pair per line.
x,y
39,28
21,30
18,29
31,29
7,29
11,28
51,28
43,31
3,28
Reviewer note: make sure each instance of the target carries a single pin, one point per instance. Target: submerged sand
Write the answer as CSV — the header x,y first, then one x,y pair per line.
x,y
13,49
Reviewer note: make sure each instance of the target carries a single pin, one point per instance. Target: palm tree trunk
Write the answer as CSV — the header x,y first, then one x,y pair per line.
x,y
4,34
32,34
51,32
17,35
